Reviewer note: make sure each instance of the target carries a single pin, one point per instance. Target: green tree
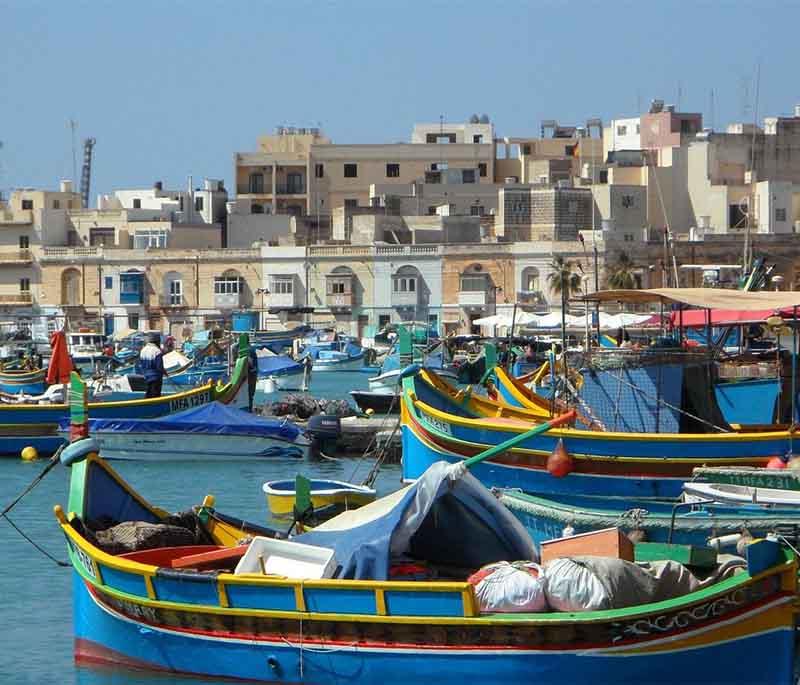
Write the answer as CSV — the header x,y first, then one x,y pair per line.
x,y
564,278
621,274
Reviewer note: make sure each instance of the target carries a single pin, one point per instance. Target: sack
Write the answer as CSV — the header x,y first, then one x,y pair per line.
x,y
510,588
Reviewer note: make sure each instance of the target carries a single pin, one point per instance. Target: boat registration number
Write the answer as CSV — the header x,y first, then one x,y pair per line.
x,y
437,424
85,559
181,403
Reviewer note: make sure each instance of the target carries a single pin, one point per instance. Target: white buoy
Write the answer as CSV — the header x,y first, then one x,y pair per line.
x,y
270,385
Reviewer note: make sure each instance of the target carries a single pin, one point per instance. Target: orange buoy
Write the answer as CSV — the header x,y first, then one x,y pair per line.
x,y
559,463
776,463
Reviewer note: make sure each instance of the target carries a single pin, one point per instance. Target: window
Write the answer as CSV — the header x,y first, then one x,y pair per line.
x,y
227,285
24,285
108,282
351,203
737,216
27,204
439,166
137,203
145,240
176,292
477,210
687,126
383,320
338,287
24,242
256,183
133,321
294,183
282,286
627,201
351,170
256,209
319,171
468,175
477,139
198,204
56,204
482,169
103,236
432,210
780,214
622,130
526,149
473,283
131,287
404,284
637,129
392,171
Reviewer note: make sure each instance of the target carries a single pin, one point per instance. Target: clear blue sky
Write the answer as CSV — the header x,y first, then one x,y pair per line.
x,y
170,89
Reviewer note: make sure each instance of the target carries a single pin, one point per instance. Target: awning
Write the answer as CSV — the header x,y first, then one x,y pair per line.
x,y
707,298
719,317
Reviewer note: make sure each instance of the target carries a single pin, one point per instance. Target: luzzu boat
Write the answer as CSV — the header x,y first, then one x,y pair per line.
x,y
441,425
181,609
36,425
683,523
26,382
334,494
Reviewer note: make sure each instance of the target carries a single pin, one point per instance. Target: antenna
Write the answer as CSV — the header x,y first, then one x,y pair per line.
x,y
86,171
747,249
73,125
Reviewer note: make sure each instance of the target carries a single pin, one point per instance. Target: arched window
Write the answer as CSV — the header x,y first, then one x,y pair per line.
x,y
530,279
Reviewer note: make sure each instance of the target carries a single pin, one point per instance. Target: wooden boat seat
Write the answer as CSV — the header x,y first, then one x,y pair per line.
x,y
215,558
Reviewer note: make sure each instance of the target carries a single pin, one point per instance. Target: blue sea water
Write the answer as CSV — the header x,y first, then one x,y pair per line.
x,y
36,642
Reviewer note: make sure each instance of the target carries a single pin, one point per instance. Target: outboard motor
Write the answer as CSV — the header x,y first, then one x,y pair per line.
x,y
324,431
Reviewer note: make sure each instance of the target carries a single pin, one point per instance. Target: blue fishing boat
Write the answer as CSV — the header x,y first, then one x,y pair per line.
x,y
342,356
36,425
197,602
677,522
455,424
23,382
211,431
283,372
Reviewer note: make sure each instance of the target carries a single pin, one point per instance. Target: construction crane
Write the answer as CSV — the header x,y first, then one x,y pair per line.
x,y
86,171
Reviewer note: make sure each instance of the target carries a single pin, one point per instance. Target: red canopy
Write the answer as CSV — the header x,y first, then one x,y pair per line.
x,y
60,363
692,318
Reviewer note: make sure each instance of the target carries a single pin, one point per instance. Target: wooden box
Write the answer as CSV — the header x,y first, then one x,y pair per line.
x,y
609,542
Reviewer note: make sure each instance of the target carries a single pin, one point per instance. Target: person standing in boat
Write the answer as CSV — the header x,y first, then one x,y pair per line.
x,y
151,366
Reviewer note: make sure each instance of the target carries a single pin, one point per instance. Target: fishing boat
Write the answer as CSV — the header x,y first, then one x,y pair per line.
x,y
457,424
85,347
330,494
677,522
778,479
210,431
327,606
348,357
36,425
726,493
26,382
280,372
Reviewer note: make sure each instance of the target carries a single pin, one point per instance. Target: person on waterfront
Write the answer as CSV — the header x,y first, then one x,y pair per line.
x,y
151,366
252,376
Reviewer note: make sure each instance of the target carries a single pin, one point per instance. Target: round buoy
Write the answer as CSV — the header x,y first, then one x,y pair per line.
x,y
559,463
370,411
29,454
794,463
776,463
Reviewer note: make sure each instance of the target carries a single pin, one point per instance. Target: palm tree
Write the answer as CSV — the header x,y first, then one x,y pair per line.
x,y
563,278
621,275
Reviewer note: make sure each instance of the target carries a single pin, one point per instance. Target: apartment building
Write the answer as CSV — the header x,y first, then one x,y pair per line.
x,y
543,212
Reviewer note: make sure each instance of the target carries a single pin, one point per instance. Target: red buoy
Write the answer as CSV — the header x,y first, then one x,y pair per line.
x,y
776,463
559,463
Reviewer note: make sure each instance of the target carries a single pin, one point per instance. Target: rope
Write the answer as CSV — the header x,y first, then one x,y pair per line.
x,y
63,564
373,439
373,474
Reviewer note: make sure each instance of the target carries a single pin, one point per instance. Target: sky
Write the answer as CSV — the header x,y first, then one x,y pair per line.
x,y
173,89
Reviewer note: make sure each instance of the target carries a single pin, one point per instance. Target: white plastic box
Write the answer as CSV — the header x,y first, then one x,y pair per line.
x,y
289,559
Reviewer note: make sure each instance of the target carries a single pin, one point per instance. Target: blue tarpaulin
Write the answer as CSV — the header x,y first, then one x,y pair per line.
x,y
277,365
213,418
445,518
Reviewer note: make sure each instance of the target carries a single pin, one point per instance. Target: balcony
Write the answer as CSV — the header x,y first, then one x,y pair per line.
x,y
340,301
16,298
16,257
472,298
227,300
172,302
266,189
531,298
405,300
282,300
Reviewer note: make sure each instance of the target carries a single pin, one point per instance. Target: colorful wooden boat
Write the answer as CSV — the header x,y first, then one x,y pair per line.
x,y
546,518
337,494
437,425
180,609
23,425
25,382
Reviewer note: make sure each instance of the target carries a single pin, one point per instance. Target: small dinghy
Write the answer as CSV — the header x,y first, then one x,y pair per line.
x,y
727,493
332,496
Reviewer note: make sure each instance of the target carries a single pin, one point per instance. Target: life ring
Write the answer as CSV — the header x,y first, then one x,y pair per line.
x,y
78,450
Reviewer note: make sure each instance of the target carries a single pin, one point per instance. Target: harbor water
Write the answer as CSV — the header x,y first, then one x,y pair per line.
x,y
37,639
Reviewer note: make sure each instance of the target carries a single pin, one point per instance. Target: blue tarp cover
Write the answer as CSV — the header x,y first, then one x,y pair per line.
x,y
213,418
277,366
446,517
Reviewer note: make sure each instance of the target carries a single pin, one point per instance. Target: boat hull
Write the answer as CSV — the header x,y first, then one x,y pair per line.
x,y
333,494
351,364
378,402
177,446
106,636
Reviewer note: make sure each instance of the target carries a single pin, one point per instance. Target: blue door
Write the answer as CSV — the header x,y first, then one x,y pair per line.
x,y
108,324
